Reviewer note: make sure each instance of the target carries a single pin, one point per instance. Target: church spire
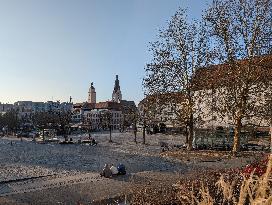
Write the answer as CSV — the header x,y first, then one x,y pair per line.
x,y
116,95
116,85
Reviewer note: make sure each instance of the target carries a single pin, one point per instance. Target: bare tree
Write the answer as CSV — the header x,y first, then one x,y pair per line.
x,y
105,118
150,109
182,48
9,120
56,120
130,114
240,29
147,113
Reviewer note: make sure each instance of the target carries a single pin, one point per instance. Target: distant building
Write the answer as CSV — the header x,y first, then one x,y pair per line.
x,y
116,94
66,107
26,109
38,107
6,107
96,115
92,94
78,111
104,114
51,106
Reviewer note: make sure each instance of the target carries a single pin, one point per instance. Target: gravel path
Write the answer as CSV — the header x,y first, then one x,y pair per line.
x,y
75,168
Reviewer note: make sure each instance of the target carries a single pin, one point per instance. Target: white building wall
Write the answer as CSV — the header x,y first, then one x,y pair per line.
x,y
93,117
211,118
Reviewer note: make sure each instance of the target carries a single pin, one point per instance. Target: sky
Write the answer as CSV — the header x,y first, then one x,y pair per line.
x,y
54,49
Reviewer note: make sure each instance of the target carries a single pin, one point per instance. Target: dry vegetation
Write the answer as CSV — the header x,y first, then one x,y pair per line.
x,y
209,187
210,155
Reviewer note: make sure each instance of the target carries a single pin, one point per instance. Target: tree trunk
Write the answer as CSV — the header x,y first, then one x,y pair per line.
x,y
135,136
191,133
271,139
237,135
43,134
110,134
186,135
135,132
144,133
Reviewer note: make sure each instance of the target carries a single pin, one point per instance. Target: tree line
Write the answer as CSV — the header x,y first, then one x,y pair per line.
x,y
42,120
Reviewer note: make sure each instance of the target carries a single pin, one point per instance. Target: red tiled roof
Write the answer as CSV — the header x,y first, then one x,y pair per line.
x,y
259,69
101,105
78,105
108,105
89,106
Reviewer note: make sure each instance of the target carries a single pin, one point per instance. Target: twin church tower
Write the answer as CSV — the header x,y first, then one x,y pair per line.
x,y
116,94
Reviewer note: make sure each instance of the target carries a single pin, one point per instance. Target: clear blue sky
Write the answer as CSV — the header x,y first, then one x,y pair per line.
x,y
51,49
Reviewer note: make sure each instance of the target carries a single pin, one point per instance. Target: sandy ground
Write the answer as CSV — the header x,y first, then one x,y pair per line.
x,y
34,173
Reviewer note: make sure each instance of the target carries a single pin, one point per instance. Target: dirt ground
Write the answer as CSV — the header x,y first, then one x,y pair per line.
x,y
34,173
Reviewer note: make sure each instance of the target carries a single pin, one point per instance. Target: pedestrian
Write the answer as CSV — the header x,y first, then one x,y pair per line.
x,y
114,170
121,169
106,172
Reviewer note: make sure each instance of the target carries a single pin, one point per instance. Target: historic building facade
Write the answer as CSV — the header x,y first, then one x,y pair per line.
x,y
102,115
